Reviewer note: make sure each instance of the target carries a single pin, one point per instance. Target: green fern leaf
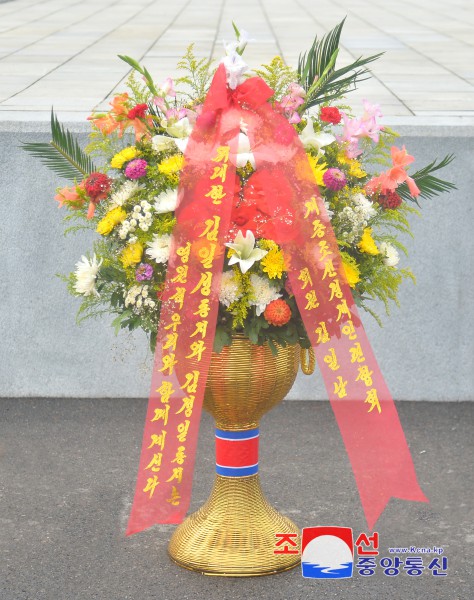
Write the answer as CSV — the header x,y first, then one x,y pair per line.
x,y
62,154
319,76
429,185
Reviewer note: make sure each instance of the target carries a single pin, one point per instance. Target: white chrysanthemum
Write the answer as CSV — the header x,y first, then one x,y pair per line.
x,y
126,191
166,201
262,294
365,206
86,274
229,292
391,256
159,248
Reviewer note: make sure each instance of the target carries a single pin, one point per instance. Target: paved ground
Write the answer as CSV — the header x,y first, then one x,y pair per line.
x,y
62,52
67,477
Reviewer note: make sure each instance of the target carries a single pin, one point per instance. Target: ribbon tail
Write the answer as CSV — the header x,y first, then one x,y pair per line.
x,y
380,459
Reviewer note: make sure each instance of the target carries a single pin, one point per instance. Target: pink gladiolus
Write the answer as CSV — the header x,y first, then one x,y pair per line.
x,y
366,126
167,87
174,113
160,102
295,118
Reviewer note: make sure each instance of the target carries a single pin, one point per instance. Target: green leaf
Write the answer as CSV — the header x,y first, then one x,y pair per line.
x,y
428,184
118,322
318,74
62,154
222,338
153,335
237,32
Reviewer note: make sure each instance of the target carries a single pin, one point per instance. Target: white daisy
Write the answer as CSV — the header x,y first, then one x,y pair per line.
x,y
86,274
159,248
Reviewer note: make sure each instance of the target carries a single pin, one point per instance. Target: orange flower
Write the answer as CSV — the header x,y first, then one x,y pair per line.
x,y
119,118
72,197
277,313
391,179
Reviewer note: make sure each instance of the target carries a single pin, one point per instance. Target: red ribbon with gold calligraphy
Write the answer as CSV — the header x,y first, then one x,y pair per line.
x,y
285,189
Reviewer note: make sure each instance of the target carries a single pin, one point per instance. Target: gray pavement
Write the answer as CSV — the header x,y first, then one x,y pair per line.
x,y
68,470
63,52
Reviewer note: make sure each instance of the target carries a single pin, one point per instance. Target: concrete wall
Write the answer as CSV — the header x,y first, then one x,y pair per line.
x,y
425,349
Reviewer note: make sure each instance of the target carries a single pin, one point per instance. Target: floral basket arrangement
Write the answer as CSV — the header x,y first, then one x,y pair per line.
x,y
131,198
249,214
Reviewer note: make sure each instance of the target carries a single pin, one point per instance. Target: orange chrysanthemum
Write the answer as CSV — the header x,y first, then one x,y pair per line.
x,y
277,313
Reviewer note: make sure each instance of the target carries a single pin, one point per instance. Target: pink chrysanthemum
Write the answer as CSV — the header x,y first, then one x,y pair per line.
x,y
136,168
334,179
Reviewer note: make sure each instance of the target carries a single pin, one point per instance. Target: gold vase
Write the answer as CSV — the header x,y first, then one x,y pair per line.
x,y
235,532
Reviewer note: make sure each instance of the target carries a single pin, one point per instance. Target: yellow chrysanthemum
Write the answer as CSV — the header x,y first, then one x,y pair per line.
x,y
342,158
352,273
171,165
367,243
132,254
355,169
273,264
267,244
123,156
111,220
318,169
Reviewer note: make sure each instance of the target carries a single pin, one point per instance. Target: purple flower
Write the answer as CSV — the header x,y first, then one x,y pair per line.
x,y
334,179
136,168
143,272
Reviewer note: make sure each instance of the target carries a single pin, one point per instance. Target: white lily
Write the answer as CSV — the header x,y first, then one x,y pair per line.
x,y
310,139
180,129
162,142
238,45
235,67
245,253
244,155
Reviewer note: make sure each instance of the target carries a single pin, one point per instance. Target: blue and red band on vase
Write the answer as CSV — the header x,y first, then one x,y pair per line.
x,y
237,452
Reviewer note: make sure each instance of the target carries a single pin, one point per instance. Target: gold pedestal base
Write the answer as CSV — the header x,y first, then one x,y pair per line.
x,y
233,534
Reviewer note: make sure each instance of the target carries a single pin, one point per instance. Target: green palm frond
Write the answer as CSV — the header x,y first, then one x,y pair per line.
x,y
429,185
318,74
62,154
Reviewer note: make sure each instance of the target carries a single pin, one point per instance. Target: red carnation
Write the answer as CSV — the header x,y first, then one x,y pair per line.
x,y
97,186
330,114
277,313
389,200
137,112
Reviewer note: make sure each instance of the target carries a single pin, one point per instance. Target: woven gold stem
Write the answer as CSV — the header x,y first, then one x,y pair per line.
x,y
234,532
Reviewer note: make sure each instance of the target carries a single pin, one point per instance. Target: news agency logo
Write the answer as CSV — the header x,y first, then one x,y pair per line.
x,y
331,553
327,552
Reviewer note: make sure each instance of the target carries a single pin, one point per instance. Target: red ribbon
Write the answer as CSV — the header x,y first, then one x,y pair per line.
x,y
285,190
